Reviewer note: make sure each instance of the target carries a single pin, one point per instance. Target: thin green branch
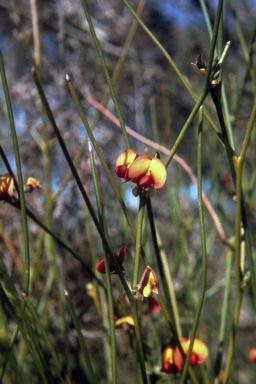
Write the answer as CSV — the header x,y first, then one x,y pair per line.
x,y
89,368
203,250
138,245
105,70
110,320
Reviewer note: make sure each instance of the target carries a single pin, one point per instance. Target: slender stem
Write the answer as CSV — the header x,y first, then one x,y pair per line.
x,y
178,73
105,70
140,351
224,317
241,236
231,347
248,134
164,270
206,87
206,17
110,320
138,244
122,58
35,29
90,371
99,153
203,247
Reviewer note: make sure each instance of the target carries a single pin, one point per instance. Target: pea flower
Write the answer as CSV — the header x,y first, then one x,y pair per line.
x,y
252,354
148,284
147,171
198,356
124,161
6,186
172,359
120,256
31,184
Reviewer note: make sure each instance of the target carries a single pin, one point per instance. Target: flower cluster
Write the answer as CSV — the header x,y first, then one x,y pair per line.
x,y
173,361
146,171
148,283
7,188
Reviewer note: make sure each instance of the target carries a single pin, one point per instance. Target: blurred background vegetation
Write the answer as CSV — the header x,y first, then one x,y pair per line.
x,y
156,105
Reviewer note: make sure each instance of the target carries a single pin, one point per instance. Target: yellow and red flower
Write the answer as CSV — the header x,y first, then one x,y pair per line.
x,y
120,256
147,171
124,161
198,356
173,361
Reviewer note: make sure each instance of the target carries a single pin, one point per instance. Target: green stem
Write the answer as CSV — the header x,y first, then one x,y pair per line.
x,y
206,87
204,251
141,357
105,70
138,244
111,322
241,236
99,154
224,317
90,371
226,374
180,76
164,270
206,17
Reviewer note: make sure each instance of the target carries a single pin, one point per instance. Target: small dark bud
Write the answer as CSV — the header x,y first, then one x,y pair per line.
x,y
200,63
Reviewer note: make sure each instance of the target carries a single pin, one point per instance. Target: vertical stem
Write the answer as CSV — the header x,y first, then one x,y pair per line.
x,y
204,250
90,371
138,244
164,271
111,357
35,28
224,316
105,70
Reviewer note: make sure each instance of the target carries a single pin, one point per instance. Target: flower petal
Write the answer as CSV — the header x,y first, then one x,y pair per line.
x,y
168,365
139,168
126,157
158,173
155,307
121,254
198,356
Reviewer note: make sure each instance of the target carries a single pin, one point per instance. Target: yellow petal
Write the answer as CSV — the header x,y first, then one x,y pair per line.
x,y
126,157
139,167
158,173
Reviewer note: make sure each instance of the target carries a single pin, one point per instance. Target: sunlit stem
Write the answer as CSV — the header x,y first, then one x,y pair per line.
x,y
224,53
